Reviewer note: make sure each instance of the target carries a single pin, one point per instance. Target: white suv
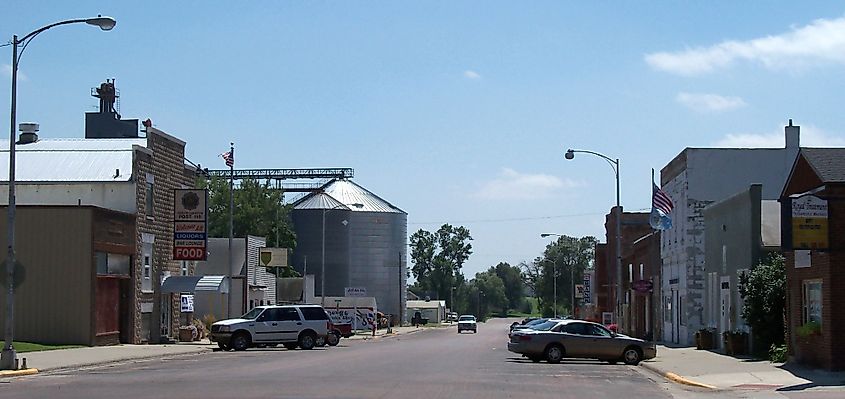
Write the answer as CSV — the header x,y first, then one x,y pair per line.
x,y
289,325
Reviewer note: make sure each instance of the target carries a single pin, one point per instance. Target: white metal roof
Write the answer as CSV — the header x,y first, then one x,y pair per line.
x,y
355,197
70,160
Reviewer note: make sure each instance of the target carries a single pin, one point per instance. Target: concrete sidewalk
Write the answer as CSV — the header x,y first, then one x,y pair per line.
x,y
100,355
716,371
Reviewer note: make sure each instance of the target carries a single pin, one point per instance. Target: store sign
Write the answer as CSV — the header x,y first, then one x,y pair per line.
x,y
355,291
273,257
588,294
579,291
187,303
809,223
643,286
190,224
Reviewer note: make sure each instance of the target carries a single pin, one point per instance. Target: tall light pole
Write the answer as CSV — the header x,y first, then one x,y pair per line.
x,y
323,250
554,283
9,357
614,164
571,275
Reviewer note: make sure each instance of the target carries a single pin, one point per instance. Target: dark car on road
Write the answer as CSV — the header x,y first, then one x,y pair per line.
x,y
554,340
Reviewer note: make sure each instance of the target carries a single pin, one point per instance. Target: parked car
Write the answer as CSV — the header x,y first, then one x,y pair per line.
x,y
290,325
554,340
467,323
452,316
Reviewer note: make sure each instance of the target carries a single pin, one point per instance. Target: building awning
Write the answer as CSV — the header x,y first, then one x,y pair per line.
x,y
178,284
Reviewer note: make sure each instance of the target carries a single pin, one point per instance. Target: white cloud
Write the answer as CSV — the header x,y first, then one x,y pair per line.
x,y
703,102
822,41
511,184
811,136
7,73
470,74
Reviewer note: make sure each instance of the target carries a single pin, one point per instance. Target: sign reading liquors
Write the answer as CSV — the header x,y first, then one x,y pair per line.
x,y
355,291
190,211
809,223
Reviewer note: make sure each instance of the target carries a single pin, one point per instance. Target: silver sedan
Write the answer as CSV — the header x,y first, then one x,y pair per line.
x,y
557,339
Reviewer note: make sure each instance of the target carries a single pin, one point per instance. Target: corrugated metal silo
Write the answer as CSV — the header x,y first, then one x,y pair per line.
x,y
365,242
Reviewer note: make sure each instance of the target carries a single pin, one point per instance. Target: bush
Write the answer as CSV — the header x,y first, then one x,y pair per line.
x,y
809,328
777,353
208,320
763,291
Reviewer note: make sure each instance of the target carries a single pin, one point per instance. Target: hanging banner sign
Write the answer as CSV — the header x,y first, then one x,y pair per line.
x,y
190,224
588,294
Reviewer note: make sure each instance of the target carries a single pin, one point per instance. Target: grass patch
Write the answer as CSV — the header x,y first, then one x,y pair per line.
x,y
22,347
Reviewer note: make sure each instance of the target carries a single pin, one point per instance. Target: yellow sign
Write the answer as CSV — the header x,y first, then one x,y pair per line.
x,y
809,223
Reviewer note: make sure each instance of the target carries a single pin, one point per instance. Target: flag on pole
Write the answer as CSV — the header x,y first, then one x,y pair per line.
x,y
661,207
229,157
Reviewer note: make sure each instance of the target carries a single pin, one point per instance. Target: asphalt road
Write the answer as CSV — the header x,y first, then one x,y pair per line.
x,y
431,364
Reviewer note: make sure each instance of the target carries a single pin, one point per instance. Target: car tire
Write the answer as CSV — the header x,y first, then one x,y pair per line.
x,y
632,356
240,341
290,346
554,354
320,342
333,339
223,346
307,340
475,331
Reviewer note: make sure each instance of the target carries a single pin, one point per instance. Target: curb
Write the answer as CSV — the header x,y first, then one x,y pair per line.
x,y
17,373
677,378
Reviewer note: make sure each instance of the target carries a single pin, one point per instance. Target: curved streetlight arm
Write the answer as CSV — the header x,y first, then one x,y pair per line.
x,y
105,23
614,163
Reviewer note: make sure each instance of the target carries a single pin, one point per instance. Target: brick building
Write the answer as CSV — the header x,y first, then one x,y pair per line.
x,y
634,226
642,269
813,226
114,169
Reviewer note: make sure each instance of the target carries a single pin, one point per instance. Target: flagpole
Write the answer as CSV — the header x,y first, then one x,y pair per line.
x,y
231,227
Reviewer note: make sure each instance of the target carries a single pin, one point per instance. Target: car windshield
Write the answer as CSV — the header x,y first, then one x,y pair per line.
x,y
467,318
252,314
544,326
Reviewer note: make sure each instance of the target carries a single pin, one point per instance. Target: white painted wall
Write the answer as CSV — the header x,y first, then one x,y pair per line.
x,y
116,196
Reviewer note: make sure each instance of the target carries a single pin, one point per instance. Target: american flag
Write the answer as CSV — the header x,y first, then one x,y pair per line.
x,y
229,157
660,200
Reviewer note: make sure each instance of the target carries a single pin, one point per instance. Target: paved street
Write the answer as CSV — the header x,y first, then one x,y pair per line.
x,y
434,363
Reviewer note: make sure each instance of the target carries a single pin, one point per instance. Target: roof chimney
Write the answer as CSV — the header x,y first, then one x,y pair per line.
x,y
29,133
793,136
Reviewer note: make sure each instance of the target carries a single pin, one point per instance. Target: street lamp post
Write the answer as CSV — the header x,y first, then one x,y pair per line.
x,y
9,357
614,164
571,276
480,293
554,284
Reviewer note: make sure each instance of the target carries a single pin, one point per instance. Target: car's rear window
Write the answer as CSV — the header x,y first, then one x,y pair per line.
x,y
467,318
313,313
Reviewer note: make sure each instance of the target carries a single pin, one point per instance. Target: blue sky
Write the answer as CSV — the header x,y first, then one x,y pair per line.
x,y
457,112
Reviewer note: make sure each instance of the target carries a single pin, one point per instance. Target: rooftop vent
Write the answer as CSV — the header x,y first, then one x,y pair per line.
x,y
29,133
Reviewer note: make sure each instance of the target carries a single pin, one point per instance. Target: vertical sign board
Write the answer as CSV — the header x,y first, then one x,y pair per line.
x,y
588,295
190,221
809,223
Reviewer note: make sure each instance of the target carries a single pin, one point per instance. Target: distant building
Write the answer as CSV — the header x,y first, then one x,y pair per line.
x,y
634,226
694,179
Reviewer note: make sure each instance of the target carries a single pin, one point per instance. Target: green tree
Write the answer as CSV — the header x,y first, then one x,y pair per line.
x,y
438,258
512,279
763,291
493,297
563,260
258,211
532,277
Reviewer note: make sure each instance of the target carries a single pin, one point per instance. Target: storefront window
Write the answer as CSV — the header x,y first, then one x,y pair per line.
x,y
811,304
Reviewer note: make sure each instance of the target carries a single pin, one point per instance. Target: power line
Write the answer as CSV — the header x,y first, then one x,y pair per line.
x,y
520,219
